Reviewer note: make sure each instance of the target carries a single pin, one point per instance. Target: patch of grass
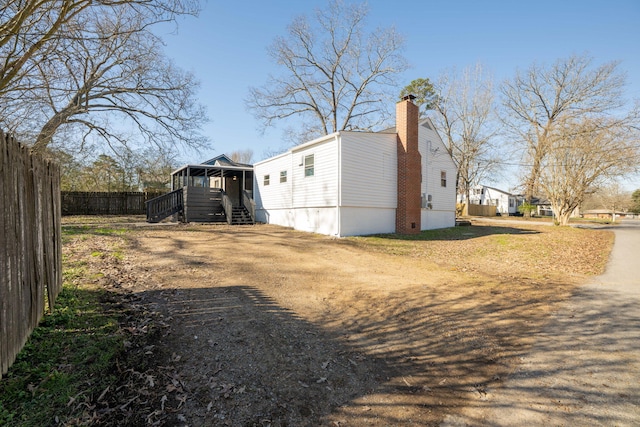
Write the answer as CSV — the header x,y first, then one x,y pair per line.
x,y
102,219
84,232
67,358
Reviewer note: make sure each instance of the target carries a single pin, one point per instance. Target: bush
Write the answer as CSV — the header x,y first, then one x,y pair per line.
x,y
527,209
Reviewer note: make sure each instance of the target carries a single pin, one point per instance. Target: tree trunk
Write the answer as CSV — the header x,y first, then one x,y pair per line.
x,y
49,129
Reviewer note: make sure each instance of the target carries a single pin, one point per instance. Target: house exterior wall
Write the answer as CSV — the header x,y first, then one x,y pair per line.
x,y
368,183
276,195
320,189
353,190
368,170
498,199
361,221
307,203
440,211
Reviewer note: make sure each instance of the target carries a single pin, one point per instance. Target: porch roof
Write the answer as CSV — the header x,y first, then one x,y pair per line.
x,y
210,170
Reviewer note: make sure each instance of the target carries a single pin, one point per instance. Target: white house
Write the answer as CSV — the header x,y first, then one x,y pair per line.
x,y
357,183
505,202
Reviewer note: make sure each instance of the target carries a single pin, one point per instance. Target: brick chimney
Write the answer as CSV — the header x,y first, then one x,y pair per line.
x,y
409,168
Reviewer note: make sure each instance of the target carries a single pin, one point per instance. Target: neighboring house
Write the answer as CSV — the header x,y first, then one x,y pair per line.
x,y
543,208
355,183
505,203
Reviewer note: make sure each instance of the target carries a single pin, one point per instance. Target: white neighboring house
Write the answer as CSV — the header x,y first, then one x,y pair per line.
x,y
350,183
505,203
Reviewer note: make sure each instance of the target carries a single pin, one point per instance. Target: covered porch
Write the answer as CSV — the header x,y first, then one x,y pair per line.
x,y
218,190
233,180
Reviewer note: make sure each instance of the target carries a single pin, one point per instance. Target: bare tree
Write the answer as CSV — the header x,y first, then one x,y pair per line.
x,y
464,115
581,155
541,101
32,27
27,28
242,156
106,77
613,197
335,77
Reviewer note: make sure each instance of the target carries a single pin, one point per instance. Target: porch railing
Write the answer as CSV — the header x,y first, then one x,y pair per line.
x,y
249,204
227,205
168,204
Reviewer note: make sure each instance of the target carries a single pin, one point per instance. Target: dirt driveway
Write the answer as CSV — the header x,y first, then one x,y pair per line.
x,y
264,326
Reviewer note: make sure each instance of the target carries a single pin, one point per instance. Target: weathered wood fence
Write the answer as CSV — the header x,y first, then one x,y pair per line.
x,y
30,244
103,203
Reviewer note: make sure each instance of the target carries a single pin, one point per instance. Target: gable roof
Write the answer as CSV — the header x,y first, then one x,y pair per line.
x,y
424,122
499,190
223,160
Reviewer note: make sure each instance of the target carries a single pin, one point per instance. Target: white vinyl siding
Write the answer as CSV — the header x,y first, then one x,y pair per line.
x,y
321,189
368,170
440,211
352,190
276,194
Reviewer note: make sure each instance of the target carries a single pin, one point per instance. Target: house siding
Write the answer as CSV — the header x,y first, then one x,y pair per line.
x,y
276,195
307,203
368,170
321,189
435,159
354,187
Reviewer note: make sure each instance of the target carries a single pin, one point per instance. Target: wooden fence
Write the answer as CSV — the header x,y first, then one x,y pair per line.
x,y
481,210
30,244
103,203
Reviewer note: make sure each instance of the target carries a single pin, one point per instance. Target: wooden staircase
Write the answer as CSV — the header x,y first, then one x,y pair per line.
x,y
164,206
197,204
241,216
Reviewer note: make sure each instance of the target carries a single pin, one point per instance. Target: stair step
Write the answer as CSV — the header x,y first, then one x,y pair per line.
x,y
240,216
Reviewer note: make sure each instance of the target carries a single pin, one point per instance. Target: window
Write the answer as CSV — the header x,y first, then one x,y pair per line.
x,y
443,178
308,165
283,176
266,180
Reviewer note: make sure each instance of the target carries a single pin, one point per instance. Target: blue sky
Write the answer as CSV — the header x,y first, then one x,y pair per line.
x,y
226,47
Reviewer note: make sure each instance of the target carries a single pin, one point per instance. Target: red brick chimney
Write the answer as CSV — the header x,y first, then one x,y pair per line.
x,y
409,167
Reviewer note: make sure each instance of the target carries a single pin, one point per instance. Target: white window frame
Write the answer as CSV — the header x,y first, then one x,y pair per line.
x,y
309,166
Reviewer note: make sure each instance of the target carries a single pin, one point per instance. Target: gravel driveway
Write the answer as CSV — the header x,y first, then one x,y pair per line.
x,y
585,367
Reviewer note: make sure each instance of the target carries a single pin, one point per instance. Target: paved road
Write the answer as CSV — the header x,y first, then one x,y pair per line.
x,y
585,367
